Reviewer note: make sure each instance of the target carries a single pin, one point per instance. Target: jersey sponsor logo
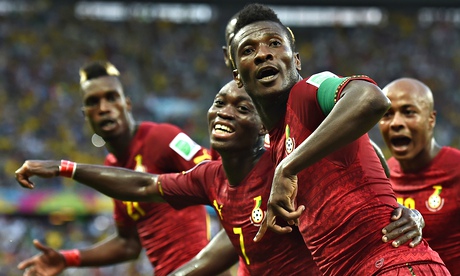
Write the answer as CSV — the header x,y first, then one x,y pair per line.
x,y
257,214
317,79
184,146
290,142
379,263
435,202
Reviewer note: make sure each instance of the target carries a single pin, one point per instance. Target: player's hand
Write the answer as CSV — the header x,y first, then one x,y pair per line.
x,y
48,263
45,169
281,203
407,225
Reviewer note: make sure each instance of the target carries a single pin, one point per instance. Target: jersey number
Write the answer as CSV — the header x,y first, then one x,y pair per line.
x,y
407,202
239,231
134,210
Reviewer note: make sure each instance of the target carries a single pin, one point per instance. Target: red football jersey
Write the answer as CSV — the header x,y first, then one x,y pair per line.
x,y
241,209
435,192
347,196
170,237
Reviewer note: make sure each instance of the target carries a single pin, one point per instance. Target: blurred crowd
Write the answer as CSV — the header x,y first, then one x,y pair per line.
x,y
171,72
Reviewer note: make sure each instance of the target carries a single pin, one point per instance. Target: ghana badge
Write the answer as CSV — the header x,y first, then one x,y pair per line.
x,y
435,201
257,214
139,167
290,142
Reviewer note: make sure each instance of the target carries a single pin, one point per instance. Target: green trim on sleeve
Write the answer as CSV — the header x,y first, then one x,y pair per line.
x,y
327,92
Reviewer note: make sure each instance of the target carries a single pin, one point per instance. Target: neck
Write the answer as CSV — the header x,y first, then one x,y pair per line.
x,y
421,160
271,108
119,146
238,165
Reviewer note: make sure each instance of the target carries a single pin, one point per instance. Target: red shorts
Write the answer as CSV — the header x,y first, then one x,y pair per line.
x,y
417,269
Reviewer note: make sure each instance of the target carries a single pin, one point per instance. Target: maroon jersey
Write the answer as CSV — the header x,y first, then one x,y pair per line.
x,y
435,192
170,237
241,210
347,196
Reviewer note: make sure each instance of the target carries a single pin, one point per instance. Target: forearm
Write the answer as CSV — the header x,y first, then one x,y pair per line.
x,y
218,256
111,251
360,108
119,183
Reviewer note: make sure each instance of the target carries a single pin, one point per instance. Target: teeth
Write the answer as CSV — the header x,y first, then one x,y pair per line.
x,y
222,128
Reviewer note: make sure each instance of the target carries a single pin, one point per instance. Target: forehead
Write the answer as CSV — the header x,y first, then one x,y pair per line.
x,y
232,90
401,97
260,30
101,84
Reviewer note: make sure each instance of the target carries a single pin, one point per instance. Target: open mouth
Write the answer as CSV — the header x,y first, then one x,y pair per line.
x,y
219,128
400,143
107,124
267,73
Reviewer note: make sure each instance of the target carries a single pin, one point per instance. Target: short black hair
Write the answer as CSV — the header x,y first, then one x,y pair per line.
x,y
98,69
253,13
257,12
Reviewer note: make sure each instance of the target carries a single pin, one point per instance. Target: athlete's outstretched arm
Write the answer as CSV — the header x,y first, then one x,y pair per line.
x,y
214,259
110,181
122,246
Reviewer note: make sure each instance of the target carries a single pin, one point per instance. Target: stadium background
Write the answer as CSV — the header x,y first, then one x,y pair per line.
x,y
171,64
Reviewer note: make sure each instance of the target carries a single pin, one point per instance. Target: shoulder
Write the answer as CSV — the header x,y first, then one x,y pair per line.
x,y
448,156
393,164
153,127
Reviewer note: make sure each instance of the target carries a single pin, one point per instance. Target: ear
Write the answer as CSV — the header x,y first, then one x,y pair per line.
x,y
236,77
83,113
129,105
263,130
226,59
298,64
432,119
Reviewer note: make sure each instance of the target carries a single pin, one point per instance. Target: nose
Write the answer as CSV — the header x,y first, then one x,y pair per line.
x,y
104,106
263,54
397,121
225,113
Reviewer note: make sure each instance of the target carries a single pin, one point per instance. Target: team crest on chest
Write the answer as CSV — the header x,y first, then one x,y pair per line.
x,y
139,167
290,142
257,214
435,202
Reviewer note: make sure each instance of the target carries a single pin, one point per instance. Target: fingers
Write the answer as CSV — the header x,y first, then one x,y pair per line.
x,y
396,214
41,247
262,230
294,216
405,238
23,178
416,241
25,264
395,225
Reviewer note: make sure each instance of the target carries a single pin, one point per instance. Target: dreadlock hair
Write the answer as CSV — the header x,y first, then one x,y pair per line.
x,y
254,13
98,69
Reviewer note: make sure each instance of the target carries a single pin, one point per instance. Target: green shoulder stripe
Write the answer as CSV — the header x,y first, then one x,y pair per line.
x,y
327,92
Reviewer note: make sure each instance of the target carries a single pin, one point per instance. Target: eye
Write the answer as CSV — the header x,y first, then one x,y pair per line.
x,y
112,97
275,43
243,108
247,51
91,102
409,112
218,102
387,115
